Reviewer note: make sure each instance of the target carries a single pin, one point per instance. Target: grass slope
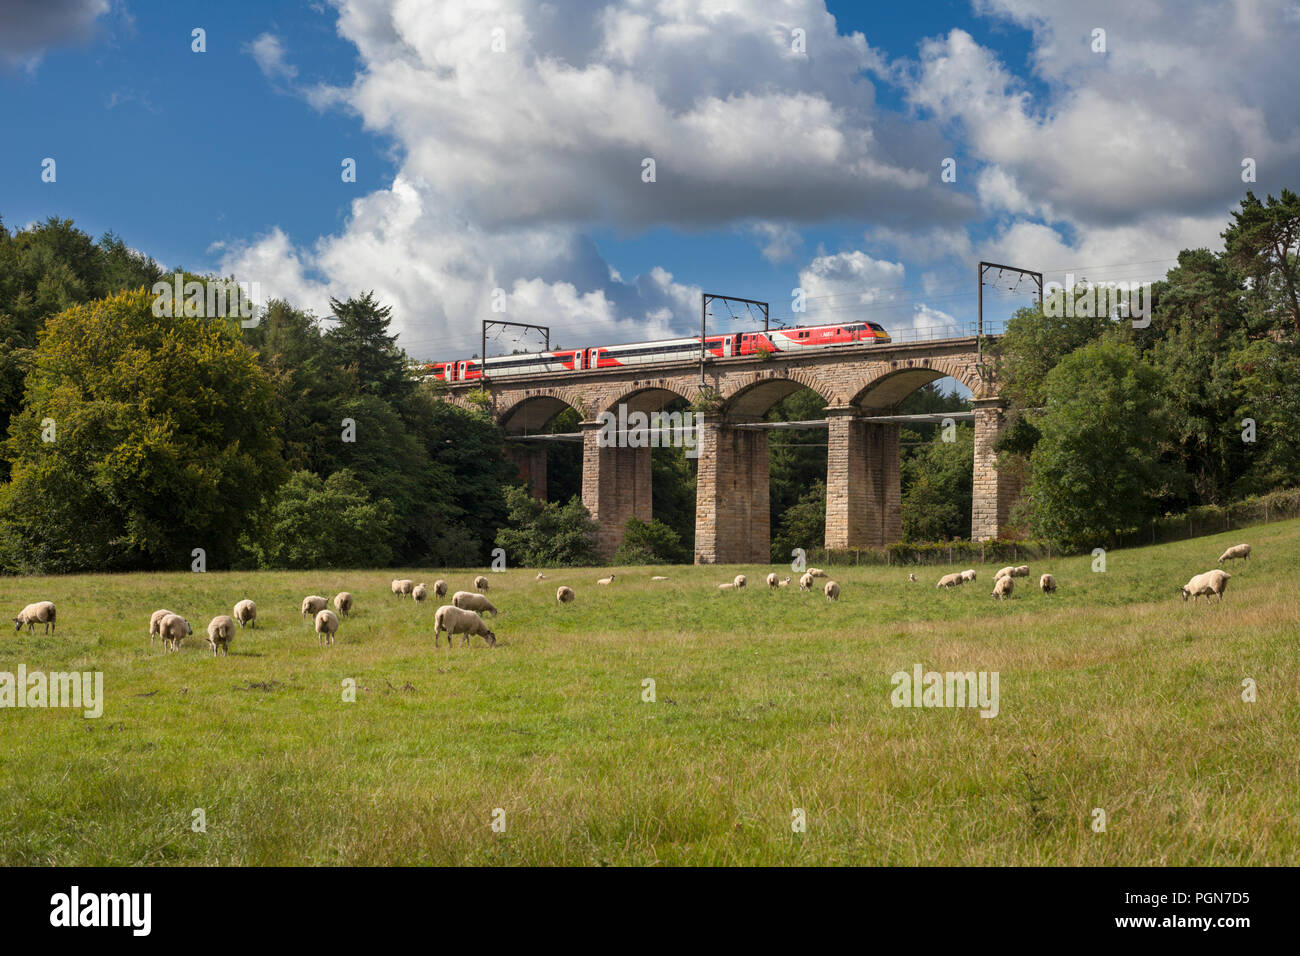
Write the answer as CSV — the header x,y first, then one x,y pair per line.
x,y
1114,694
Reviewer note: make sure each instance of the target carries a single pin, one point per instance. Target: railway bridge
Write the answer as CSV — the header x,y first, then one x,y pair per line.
x,y
861,385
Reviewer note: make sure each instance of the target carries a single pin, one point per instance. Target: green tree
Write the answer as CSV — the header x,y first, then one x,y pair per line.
x,y
1098,469
326,523
650,543
360,343
1262,242
803,525
544,534
141,438
936,481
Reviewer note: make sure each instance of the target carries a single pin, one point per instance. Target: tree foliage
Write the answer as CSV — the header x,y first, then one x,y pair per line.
x,y
544,534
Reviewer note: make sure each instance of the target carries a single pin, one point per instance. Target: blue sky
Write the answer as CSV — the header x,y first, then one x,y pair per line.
x,y
499,144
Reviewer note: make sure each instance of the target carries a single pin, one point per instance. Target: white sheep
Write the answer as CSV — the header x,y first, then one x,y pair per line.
x,y
911,578
771,580
608,580
832,591
419,592
738,581
245,613
784,582
1047,583
1236,551
343,602
951,581
541,576
455,620
1004,572
805,581
563,595
728,586
406,585
327,623
173,629
1020,572
470,601
1003,587
313,604
155,622
1211,582
397,586
968,575
440,588
480,583
659,577
221,631
42,612
817,572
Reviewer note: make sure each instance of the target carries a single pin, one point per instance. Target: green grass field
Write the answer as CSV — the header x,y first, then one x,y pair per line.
x,y
1114,695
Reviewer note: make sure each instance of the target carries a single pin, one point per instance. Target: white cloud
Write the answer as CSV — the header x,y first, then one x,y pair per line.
x,y
269,54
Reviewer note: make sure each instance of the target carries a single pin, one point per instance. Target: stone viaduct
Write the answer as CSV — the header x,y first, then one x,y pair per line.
x,y
732,525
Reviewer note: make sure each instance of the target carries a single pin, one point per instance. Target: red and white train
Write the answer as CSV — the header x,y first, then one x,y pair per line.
x,y
668,350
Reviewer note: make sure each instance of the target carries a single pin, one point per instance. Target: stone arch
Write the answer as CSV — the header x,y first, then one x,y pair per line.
x,y
751,394
646,395
888,383
531,411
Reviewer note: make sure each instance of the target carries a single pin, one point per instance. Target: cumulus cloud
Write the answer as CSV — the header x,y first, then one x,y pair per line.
x,y
28,28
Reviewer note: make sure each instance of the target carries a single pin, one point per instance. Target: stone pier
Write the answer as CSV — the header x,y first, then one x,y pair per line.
x,y
994,491
863,494
732,517
615,487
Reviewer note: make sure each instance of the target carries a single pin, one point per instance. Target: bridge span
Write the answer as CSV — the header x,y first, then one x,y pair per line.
x,y
862,385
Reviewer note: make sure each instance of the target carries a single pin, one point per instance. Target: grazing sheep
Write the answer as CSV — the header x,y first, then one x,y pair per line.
x,y
246,613
155,622
1236,551
455,620
326,624
563,595
951,581
420,592
440,588
608,580
738,580
729,586
1003,587
480,583
343,602
771,580
968,575
832,591
1211,582
173,629
42,612
1020,572
1004,572
817,572
406,585
1047,583
313,604
470,601
659,577
805,581
784,582
912,578
221,631
541,576
397,587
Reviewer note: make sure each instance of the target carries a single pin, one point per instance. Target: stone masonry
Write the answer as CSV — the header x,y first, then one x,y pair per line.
x,y
863,507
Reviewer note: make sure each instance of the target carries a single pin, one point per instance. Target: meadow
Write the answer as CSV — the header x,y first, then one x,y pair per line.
x,y
1114,694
